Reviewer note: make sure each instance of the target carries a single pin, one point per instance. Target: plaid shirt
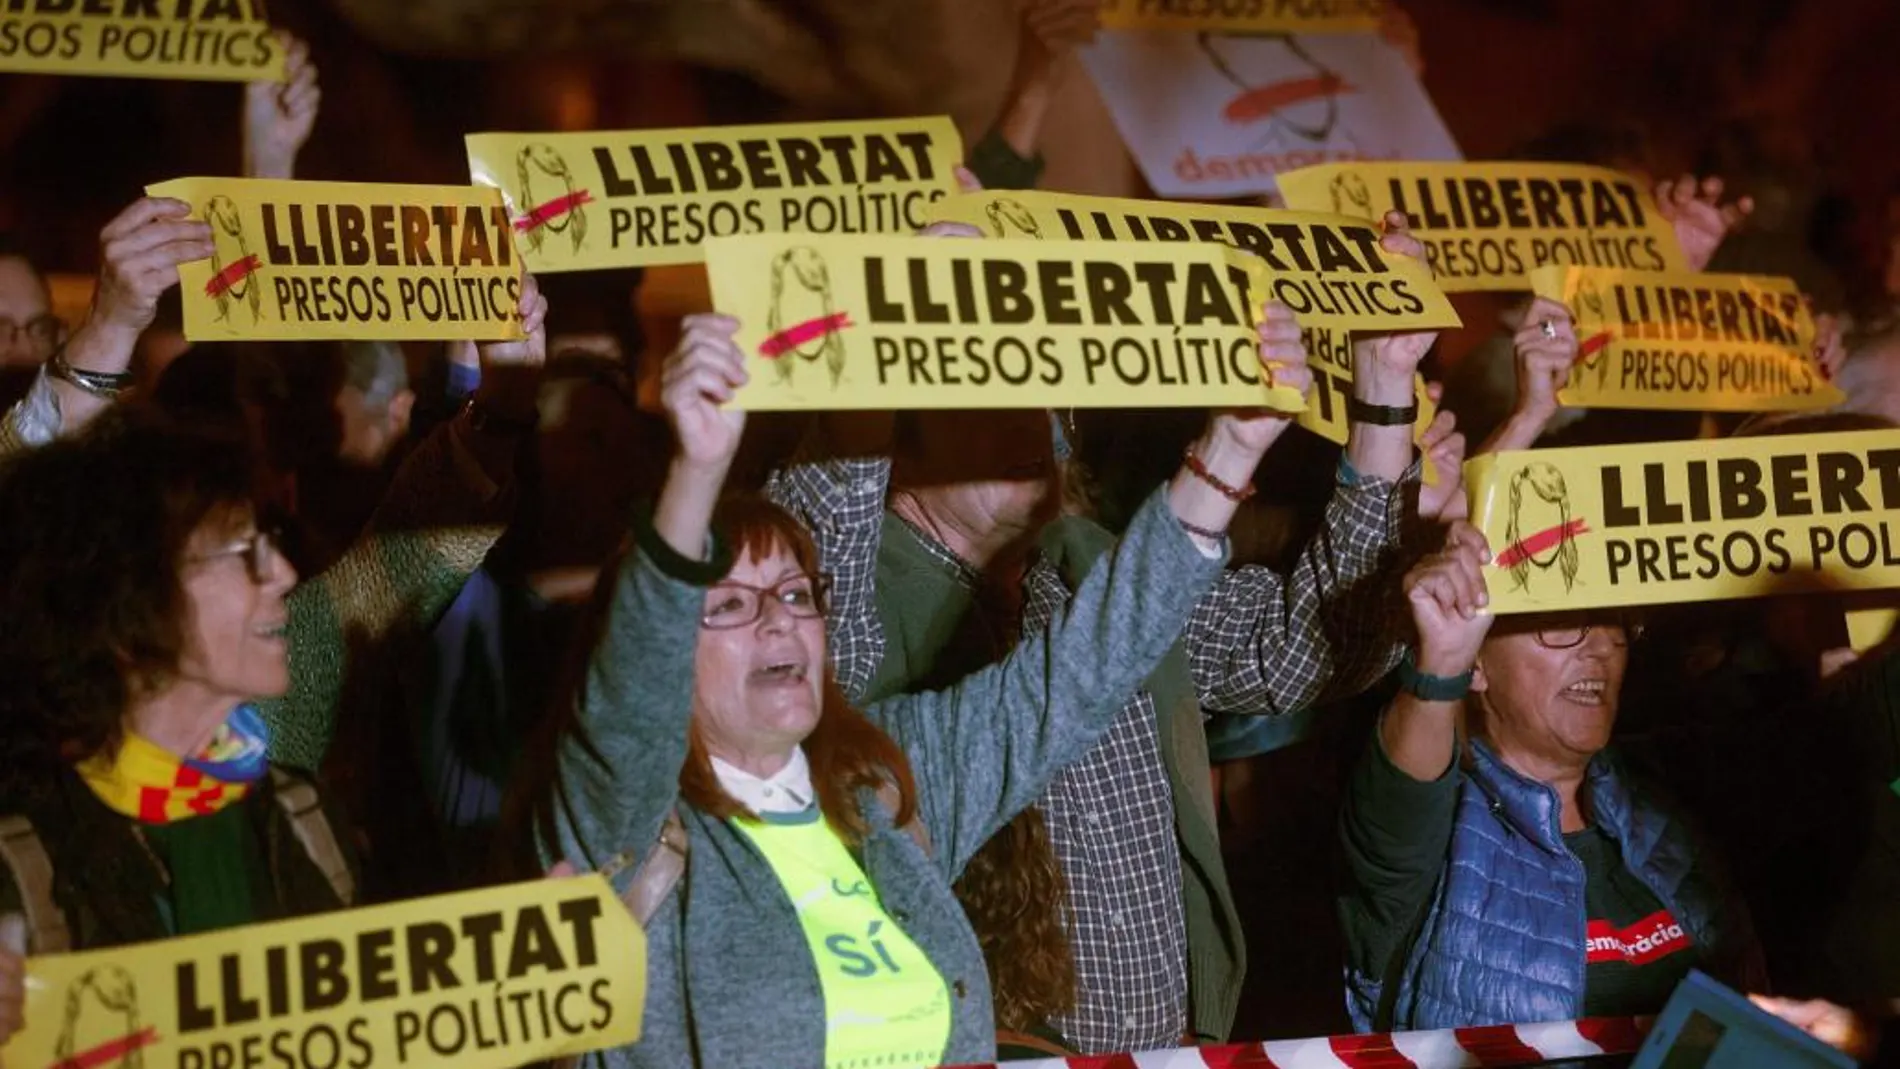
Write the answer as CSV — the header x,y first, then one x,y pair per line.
x,y
1259,643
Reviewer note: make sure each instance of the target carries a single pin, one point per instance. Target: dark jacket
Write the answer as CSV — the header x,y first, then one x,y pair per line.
x,y
110,886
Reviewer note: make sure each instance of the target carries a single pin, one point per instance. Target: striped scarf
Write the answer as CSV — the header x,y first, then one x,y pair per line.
x,y
149,784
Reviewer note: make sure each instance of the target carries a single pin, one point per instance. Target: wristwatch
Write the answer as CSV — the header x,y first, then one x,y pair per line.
x,y
1381,415
485,420
1430,688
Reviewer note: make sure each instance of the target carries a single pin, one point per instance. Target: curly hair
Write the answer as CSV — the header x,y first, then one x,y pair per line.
x,y
93,614
1017,900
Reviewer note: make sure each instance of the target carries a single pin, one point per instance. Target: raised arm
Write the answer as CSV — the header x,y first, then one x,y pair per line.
x,y
139,254
1544,349
278,116
835,485
1398,814
1009,156
442,513
984,749
618,775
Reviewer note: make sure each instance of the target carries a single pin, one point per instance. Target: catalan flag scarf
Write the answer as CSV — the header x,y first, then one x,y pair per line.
x,y
150,785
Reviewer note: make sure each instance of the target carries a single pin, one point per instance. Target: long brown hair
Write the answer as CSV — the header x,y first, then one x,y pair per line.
x,y
1017,900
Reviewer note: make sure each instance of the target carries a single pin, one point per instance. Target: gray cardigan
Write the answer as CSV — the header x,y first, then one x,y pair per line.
x,y
730,979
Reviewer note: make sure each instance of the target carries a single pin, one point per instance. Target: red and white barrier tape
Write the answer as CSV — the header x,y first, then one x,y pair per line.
x,y
1496,1047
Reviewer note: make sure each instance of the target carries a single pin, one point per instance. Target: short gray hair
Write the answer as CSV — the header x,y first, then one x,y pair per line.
x,y
377,368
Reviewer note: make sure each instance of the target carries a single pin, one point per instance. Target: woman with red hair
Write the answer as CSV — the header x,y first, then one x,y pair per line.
x,y
808,918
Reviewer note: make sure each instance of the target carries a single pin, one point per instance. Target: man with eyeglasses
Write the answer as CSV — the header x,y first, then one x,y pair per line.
x,y
29,332
1502,864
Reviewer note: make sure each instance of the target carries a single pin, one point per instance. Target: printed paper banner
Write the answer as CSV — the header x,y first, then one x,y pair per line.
x,y
907,322
1689,521
1696,342
1212,116
635,198
1487,226
1244,16
205,40
1867,628
349,261
491,978
1330,270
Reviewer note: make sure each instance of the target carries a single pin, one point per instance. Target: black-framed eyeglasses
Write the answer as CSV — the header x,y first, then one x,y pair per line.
x,y
1624,630
258,549
731,605
41,330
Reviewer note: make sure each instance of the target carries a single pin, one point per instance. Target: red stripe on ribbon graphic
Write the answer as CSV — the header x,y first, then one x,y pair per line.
x,y
1593,345
552,210
231,275
1260,103
1531,546
811,330
107,1053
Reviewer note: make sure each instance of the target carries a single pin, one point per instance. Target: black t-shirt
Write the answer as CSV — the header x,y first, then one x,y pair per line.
x,y
1397,836
1637,951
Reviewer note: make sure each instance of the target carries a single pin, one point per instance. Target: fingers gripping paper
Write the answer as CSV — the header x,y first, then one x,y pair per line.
x,y
1244,16
1699,342
349,261
1689,521
491,978
899,322
1486,226
638,198
1329,269
208,40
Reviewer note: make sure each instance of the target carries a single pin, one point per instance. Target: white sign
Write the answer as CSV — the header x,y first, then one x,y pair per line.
x,y
1210,116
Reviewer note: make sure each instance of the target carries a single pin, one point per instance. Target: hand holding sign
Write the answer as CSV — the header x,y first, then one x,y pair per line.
x,y
1444,448
1545,349
141,249
697,387
12,976
1392,359
1283,359
1701,220
511,370
1446,593
278,116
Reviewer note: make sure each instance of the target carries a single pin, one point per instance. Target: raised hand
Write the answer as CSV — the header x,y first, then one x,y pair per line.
x,y
1444,449
1394,357
140,250
278,116
1701,220
1544,356
1447,597
697,385
1282,359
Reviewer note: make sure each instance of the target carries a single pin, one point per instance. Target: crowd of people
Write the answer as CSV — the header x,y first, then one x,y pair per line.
x,y
904,742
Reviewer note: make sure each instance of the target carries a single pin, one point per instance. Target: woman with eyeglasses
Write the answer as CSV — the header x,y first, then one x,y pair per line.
x,y
142,610
813,922
1503,865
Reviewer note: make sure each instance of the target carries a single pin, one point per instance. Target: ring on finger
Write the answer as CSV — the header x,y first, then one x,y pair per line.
x,y
1549,329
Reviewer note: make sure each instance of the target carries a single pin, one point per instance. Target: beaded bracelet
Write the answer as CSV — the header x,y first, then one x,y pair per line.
x,y
1236,494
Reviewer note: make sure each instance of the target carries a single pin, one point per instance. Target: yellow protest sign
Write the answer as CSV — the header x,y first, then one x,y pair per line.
x,y
206,40
906,322
634,198
498,977
1869,627
348,260
1328,268
1689,521
1723,343
1244,16
1486,226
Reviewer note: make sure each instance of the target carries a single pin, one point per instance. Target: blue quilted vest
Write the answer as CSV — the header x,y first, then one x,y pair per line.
x,y
1503,941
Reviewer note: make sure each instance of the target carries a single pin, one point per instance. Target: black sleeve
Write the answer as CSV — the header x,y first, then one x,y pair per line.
x,y
1395,832
998,166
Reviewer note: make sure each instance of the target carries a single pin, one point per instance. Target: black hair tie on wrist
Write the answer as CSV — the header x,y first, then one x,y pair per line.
x,y
672,562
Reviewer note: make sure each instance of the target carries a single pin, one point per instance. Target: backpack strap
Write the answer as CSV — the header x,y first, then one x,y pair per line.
x,y
298,800
658,872
25,856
